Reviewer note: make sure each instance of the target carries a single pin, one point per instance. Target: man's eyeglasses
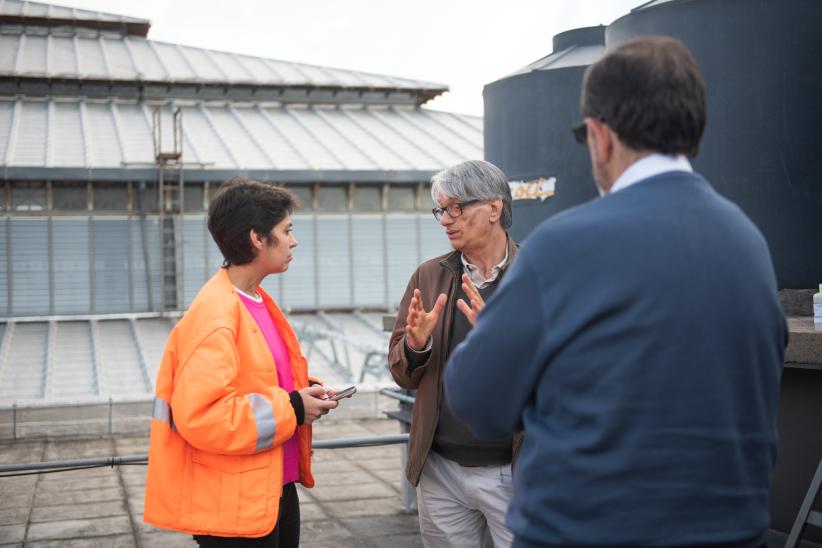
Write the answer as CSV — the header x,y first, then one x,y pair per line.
x,y
453,210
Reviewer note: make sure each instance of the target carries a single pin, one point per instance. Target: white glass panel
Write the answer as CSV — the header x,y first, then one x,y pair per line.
x,y
72,286
299,283
195,271
403,253
368,255
334,261
30,267
111,265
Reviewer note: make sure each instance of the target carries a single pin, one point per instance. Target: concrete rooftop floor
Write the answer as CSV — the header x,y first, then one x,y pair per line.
x,y
356,501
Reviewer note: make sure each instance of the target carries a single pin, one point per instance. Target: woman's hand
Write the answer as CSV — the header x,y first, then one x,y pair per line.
x,y
314,404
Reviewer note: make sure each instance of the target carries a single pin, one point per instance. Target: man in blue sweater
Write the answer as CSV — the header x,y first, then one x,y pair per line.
x,y
638,338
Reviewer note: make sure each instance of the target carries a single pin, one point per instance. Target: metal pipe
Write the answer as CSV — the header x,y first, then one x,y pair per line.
x,y
140,459
360,442
397,395
51,465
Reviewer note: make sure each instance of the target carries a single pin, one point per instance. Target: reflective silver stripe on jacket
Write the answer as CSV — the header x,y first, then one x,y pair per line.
x,y
162,411
264,417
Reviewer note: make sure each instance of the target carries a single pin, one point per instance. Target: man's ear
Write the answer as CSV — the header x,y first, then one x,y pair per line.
x,y
601,139
496,210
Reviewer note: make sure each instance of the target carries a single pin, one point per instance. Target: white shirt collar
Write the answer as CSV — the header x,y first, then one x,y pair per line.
x,y
257,298
651,165
475,274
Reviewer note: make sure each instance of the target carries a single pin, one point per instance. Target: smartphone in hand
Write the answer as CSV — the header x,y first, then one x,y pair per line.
x,y
346,393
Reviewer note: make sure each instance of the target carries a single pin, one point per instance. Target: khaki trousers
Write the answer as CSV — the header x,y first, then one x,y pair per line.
x,y
459,506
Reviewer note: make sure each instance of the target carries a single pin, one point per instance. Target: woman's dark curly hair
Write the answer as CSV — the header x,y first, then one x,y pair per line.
x,y
242,205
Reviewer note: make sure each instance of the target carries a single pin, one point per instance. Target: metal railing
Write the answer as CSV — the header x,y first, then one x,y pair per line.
x,y
66,465
398,395
403,416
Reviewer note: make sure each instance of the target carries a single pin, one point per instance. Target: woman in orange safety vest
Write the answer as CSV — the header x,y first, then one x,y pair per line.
x,y
231,433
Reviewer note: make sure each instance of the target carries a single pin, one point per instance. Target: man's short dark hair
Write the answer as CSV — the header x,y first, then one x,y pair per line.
x,y
650,92
242,205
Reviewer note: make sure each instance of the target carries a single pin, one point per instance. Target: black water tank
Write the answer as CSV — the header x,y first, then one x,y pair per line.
x,y
528,116
762,64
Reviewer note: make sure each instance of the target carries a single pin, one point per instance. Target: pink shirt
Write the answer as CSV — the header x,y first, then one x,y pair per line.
x,y
258,310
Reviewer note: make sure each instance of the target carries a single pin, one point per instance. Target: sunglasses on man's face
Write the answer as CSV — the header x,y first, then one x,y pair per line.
x,y
580,132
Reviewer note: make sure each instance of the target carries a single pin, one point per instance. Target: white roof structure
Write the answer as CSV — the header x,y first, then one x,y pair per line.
x,y
81,93
100,54
78,90
112,139
32,10
89,360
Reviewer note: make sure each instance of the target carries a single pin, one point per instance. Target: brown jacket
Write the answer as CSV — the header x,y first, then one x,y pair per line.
x,y
438,275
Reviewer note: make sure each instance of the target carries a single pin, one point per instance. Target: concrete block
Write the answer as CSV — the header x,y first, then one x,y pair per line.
x,y
379,525
327,533
75,483
367,463
14,516
57,497
71,449
805,344
400,541
311,511
79,528
131,446
21,452
342,466
166,539
17,500
19,484
348,477
115,541
135,480
12,533
76,511
364,508
394,477
362,491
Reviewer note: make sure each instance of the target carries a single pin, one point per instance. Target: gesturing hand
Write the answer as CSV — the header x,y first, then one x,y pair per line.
x,y
420,324
473,294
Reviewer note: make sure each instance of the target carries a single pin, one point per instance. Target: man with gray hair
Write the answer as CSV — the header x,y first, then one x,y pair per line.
x,y
463,484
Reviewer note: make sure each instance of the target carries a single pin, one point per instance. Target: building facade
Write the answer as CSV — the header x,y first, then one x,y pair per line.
x,y
105,189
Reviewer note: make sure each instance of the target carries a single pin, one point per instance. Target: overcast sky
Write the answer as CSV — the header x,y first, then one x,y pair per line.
x,y
464,44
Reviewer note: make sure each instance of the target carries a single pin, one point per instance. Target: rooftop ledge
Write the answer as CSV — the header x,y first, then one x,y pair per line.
x,y
805,345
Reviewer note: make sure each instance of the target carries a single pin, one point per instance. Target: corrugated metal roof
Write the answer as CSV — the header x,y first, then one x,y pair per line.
x,y
88,54
20,8
89,134
119,357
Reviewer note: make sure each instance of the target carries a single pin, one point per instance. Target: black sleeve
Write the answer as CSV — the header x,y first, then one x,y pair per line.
x,y
415,359
297,404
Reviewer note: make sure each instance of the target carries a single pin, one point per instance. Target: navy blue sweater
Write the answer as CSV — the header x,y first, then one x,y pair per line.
x,y
639,340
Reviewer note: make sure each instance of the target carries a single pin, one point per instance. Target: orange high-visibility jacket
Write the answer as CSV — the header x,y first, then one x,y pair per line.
x,y
220,418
